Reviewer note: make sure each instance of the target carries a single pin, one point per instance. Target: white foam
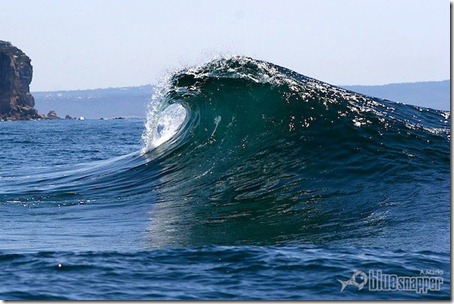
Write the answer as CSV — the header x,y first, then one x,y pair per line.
x,y
163,122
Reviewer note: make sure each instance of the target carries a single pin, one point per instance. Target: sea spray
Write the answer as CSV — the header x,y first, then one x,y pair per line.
x,y
163,120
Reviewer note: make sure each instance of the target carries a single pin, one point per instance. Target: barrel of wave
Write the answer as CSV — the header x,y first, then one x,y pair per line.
x,y
163,122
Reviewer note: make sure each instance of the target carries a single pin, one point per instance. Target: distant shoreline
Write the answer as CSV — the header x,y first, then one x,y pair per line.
x,y
133,101
428,94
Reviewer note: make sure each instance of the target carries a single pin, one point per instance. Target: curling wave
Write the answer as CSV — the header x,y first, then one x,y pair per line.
x,y
240,151
263,154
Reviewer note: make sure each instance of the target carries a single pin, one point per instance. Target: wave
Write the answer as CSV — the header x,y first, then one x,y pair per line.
x,y
242,151
263,154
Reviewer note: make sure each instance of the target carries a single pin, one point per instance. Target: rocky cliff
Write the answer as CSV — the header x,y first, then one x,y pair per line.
x,y
16,102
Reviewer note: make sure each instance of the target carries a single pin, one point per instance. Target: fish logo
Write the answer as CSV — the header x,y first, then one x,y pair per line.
x,y
352,281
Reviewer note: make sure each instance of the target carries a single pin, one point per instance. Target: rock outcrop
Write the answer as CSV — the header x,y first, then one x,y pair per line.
x,y
16,102
52,115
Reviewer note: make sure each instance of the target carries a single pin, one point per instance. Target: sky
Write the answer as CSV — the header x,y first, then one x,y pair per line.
x,y
82,44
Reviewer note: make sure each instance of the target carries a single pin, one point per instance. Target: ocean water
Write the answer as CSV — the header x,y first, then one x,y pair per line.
x,y
246,181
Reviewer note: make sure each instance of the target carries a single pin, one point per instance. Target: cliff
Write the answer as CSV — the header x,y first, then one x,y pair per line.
x,y
16,102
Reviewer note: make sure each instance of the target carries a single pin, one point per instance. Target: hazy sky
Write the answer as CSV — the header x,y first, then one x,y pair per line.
x,y
80,44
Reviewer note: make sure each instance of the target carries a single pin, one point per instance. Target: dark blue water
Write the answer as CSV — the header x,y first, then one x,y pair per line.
x,y
275,186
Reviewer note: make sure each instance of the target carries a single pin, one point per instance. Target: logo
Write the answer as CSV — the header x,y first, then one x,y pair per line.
x,y
357,274
376,280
